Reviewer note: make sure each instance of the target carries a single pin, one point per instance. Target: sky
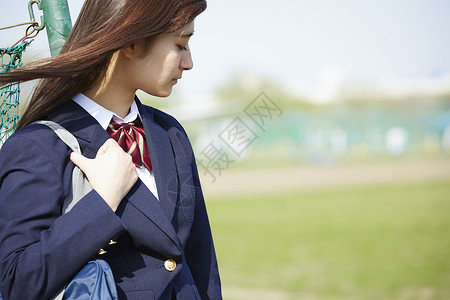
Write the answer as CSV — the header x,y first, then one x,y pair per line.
x,y
300,43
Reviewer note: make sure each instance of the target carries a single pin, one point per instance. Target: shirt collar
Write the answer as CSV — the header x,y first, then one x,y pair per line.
x,y
103,115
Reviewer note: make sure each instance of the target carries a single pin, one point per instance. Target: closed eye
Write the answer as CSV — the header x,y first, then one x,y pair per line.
x,y
182,48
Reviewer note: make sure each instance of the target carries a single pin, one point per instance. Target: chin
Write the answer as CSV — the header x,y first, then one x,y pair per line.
x,y
165,95
161,93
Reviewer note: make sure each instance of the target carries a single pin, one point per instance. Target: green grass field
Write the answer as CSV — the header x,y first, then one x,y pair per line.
x,y
376,242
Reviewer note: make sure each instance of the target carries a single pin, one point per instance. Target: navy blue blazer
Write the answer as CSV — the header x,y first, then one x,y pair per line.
x,y
41,250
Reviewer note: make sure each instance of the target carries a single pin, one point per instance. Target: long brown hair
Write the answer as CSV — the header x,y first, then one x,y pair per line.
x,y
102,28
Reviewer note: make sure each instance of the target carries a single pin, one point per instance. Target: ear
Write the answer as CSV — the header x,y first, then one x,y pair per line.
x,y
129,51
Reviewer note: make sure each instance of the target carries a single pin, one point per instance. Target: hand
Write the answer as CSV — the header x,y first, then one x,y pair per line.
x,y
111,174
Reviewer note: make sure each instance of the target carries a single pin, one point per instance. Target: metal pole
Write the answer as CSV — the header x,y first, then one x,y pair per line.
x,y
57,22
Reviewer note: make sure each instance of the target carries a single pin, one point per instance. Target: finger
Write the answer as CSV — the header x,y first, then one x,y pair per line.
x,y
110,143
79,160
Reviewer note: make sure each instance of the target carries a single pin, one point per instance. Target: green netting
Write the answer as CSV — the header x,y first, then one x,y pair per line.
x,y
11,58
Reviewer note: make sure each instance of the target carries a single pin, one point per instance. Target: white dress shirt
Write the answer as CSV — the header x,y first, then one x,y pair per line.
x,y
103,116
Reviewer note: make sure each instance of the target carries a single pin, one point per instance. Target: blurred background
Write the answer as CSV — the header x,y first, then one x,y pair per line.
x,y
322,136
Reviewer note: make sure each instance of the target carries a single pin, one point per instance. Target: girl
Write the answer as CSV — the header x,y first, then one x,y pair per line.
x,y
148,203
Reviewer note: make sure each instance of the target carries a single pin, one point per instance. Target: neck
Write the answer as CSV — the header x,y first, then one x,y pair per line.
x,y
113,99
111,92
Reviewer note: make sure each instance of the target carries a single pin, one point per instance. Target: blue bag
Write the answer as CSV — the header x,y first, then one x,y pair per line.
x,y
94,282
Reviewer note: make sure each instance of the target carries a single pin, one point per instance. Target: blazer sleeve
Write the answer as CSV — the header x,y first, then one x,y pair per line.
x,y
40,249
200,252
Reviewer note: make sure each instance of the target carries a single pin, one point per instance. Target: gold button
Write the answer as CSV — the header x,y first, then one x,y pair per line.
x,y
112,242
170,265
101,251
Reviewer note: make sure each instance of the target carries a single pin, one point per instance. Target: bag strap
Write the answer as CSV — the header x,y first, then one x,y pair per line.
x,y
80,185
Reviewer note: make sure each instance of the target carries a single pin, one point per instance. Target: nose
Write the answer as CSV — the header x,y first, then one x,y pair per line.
x,y
186,62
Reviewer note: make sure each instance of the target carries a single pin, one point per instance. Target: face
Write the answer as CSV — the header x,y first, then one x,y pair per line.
x,y
158,69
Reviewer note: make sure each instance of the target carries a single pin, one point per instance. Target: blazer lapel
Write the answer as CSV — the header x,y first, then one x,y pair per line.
x,y
163,162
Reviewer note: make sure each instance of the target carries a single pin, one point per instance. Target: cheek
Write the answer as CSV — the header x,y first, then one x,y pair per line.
x,y
147,72
171,62
154,73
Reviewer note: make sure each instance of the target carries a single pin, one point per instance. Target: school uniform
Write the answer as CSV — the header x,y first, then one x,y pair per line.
x,y
164,248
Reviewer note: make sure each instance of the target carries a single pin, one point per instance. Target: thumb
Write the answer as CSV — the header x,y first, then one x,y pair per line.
x,y
79,160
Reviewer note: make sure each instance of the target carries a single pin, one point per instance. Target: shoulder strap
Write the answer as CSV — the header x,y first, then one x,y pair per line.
x,y
80,185
63,134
